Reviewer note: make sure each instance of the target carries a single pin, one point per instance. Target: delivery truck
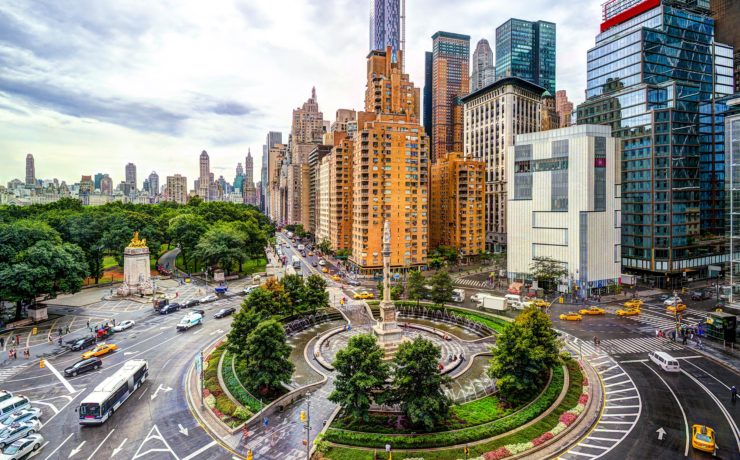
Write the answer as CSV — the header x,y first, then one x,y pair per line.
x,y
493,303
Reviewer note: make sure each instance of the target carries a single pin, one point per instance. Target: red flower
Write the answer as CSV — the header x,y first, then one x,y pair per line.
x,y
585,381
501,452
218,413
543,438
206,392
583,399
568,418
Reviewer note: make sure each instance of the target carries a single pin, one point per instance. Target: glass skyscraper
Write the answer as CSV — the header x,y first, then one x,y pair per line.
x,y
526,50
655,75
385,25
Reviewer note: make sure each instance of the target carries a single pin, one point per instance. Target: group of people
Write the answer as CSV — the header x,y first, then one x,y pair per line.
x,y
687,333
13,353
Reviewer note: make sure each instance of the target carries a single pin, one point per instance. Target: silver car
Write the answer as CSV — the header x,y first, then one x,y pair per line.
x,y
18,431
22,447
123,325
32,413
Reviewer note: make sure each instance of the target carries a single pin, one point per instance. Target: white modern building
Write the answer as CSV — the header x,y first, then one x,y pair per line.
x,y
564,203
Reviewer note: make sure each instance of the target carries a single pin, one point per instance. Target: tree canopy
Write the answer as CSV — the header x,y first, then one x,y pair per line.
x,y
442,287
266,356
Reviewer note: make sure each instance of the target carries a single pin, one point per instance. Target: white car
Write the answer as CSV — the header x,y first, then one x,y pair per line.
x,y
209,298
672,300
476,297
249,289
322,262
22,447
123,325
17,431
24,415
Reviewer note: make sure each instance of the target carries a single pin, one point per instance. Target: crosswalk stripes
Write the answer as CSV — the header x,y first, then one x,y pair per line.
x,y
7,372
471,283
628,346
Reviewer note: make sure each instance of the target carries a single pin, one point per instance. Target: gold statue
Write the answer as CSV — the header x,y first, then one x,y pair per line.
x,y
136,242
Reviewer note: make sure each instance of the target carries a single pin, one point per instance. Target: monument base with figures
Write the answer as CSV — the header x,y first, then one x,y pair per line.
x,y
389,335
137,279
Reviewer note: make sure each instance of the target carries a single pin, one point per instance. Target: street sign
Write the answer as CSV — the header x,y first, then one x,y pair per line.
x,y
266,421
198,363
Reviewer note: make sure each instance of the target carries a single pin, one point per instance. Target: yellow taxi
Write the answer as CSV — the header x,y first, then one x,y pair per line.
x,y
310,254
324,270
336,278
364,295
539,303
100,349
571,316
628,312
675,308
636,303
702,438
592,311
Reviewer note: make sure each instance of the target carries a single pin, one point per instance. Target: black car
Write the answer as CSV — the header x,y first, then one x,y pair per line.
x,y
81,343
85,365
191,303
700,295
171,308
224,312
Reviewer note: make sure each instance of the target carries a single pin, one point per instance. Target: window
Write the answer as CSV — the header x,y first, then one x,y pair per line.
x,y
599,173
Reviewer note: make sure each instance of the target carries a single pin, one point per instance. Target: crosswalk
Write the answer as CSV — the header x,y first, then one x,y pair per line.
x,y
8,371
471,283
628,346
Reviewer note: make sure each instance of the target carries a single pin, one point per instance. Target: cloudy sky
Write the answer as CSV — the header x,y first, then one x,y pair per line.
x,y
89,85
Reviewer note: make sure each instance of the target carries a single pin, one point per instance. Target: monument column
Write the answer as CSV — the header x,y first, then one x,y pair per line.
x,y
387,330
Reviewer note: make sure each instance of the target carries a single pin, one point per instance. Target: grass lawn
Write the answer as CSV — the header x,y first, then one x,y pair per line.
x,y
109,262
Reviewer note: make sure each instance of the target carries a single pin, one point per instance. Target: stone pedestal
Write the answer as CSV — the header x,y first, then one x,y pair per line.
x,y
137,278
389,335
37,313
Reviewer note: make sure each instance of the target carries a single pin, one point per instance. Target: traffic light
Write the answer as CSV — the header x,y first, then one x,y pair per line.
x,y
41,363
303,416
249,454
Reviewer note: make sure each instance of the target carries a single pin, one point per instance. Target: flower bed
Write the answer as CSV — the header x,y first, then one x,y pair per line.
x,y
237,389
213,395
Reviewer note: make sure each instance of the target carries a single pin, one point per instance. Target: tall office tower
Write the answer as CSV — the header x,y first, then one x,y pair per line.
x,y
564,108
106,185
726,14
391,170
450,81
660,101
494,115
526,50
239,169
177,189
153,184
205,178
86,189
385,26
96,180
131,175
319,152
484,72
732,154
306,132
273,138
249,167
30,170
145,188
277,155
428,95
456,203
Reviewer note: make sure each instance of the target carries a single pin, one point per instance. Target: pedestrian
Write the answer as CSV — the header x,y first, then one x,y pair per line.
x,y
27,353
17,339
60,341
114,322
733,393
2,342
88,325
657,333
10,354
48,337
685,338
15,354
60,331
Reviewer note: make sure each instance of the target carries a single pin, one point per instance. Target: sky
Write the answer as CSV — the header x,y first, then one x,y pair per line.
x,y
88,86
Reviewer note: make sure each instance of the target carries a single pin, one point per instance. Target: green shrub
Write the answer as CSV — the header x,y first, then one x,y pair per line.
x,y
237,391
225,405
242,413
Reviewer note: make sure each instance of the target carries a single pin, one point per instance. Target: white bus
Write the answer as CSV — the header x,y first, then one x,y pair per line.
x,y
292,271
99,405
296,262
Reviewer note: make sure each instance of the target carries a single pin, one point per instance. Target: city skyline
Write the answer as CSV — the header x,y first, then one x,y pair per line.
x,y
157,112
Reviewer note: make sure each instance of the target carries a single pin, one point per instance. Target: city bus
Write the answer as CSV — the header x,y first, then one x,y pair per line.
x,y
292,271
99,405
296,262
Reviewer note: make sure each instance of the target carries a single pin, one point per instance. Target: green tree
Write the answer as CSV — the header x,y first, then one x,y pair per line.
x,y
220,246
361,374
442,287
295,293
325,246
448,253
245,321
316,296
418,385
186,230
266,358
540,327
546,270
415,289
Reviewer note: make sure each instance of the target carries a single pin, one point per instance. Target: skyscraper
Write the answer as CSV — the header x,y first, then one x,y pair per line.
x,y
273,138
385,26
239,169
131,175
153,184
177,189
98,177
564,108
428,95
30,170
526,50
726,13
450,81
660,102
205,178
106,185
249,168
484,72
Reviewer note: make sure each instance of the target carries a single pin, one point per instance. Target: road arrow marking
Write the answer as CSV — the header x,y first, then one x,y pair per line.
x,y
100,445
126,353
217,331
182,430
661,433
163,328
160,387
76,450
118,449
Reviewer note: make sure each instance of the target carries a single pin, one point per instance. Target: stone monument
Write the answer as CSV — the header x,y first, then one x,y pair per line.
x,y
137,277
389,334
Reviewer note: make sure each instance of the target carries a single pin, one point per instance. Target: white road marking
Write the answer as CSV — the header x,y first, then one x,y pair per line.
x,y
53,407
63,407
715,378
101,444
685,420
119,448
182,430
142,393
201,450
64,381
59,446
159,437
77,449
160,387
735,430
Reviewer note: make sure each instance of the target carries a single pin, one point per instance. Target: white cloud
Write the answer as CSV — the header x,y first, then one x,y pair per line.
x,y
88,86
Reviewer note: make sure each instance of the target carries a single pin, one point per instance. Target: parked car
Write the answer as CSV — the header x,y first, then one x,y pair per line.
x,y
353,283
18,431
5,395
13,405
628,312
23,415
209,298
249,289
191,303
635,303
81,343
200,312
83,366
22,447
314,263
702,438
100,350
171,308
322,262
224,312
123,325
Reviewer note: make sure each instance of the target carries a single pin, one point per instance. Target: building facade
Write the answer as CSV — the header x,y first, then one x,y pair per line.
x,y
339,165
732,160
456,201
385,25
493,117
484,72
564,205
654,76
726,13
526,49
203,189
30,171
318,153
106,185
450,81
131,175
153,184
273,138
176,189
564,108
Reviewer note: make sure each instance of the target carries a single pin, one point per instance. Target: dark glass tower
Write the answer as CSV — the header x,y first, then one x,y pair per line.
x,y
428,101
655,75
385,25
526,50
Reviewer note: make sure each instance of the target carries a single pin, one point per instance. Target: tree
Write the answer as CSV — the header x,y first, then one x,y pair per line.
x,y
540,327
220,245
186,230
442,287
361,374
295,292
325,246
266,356
396,290
316,296
448,253
547,270
418,385
415,289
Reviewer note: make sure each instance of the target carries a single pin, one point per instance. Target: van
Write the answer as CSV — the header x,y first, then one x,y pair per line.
x,y
665,361
513,298
458,295
11,405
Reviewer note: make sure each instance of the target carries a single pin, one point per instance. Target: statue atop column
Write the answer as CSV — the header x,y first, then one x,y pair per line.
x,y
387,330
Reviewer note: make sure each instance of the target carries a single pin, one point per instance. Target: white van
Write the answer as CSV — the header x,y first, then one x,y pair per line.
x,y
513,298
13,404
665,361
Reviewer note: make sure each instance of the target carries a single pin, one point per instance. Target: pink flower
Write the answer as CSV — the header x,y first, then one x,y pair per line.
x,y
568,418
543,438
501,452
585,381
583,399
218,413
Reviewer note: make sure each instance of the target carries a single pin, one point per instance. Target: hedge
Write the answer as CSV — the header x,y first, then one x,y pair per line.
x,y
465,435
497,324
235,388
